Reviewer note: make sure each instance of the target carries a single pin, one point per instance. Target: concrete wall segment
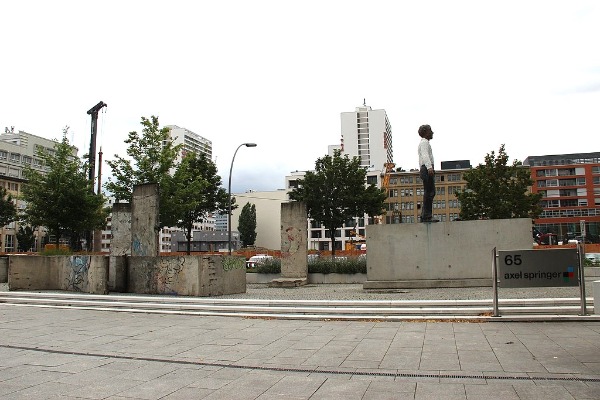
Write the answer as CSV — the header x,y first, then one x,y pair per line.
x,y
448,252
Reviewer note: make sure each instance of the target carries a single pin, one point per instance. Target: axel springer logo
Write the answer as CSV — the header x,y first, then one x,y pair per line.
x,y
542,275
569,274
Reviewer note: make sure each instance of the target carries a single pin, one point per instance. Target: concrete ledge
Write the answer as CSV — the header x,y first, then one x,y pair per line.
x,y
596,290
592,273
313,278
427,283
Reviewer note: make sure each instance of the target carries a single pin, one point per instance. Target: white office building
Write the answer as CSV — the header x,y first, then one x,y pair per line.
x,y
367,134
192,142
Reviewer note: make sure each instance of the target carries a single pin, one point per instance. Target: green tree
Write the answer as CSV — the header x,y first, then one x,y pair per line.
x,y
151,155
496,190
336,191
247,225
62,198
25,237
8,210
192,193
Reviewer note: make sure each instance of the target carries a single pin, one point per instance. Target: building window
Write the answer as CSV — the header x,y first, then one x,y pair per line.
x,y
15,157
13,186
453,189
9,243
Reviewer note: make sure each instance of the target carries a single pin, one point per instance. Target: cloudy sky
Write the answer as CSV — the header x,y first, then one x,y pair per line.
x,y
279,73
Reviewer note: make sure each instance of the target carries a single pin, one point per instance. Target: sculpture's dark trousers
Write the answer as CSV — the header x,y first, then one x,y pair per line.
x,y
428,194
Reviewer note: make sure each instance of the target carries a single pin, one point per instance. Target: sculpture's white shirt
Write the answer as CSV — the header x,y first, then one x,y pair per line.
x,y
425,154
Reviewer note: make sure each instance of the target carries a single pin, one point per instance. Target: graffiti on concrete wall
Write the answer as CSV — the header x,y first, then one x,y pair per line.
x,y
231,263
78,273
136,246
291,240
168,274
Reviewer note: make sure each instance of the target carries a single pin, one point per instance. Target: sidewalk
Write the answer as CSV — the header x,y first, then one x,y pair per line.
x,y
74,354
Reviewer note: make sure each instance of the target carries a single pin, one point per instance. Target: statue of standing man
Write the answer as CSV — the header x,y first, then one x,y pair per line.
x,y
427,173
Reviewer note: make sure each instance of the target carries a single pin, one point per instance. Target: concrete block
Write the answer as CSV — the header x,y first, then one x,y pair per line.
x,y
293,240
144,220
186,275
288,282
444,254
87,274
120,242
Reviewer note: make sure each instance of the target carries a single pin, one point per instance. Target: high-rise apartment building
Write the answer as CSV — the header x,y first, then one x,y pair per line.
x,y
192,142
570,189
367,134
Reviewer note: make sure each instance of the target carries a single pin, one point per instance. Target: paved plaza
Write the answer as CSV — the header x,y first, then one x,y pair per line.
x,y
48,353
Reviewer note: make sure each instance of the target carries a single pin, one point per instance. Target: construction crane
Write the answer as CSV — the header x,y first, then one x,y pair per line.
x,y
92,155
388,168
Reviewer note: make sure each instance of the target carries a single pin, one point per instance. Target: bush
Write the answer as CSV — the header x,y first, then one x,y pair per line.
x,y
269,266
61,251
320,266
591,263
339,266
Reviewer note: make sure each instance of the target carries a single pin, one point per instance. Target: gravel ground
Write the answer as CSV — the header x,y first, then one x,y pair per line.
x,y
356,292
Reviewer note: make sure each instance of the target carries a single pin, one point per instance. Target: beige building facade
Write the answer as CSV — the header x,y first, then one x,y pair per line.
x,y
19,150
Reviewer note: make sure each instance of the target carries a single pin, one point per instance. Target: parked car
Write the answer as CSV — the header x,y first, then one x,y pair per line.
x,y
254,261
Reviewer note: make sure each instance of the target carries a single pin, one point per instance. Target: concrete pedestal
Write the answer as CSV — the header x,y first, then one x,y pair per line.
x,y
444,254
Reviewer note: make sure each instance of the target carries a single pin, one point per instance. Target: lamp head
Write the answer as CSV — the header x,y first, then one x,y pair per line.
x,y
250,144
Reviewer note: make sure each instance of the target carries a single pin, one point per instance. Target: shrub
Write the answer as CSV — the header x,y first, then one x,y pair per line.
x,y
320,265
57,252
339,266
269,266
591,263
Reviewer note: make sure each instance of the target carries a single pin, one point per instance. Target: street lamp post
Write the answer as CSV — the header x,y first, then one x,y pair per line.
x,y
229,191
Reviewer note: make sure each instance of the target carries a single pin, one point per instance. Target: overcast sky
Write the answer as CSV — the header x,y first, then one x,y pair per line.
x,y
279,73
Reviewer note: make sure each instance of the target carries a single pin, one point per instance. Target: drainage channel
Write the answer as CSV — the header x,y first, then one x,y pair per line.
x,y
304,370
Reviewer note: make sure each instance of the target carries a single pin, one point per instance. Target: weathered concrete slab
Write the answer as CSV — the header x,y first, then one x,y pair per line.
x,y
120,241
88,274
3,269
187,275
144,220
288,282
294,267
444,254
